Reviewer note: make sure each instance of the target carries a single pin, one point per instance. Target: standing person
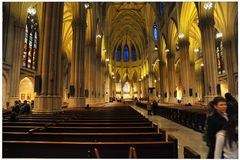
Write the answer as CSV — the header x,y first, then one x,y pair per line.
x,y
216,122
16,108
227,140
232,105
154,108
149,107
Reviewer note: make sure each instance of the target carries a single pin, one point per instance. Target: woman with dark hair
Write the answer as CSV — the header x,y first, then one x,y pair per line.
x,y
227,140
216,122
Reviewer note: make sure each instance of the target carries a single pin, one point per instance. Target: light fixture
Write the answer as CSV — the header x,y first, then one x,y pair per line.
x,y
158,60
196,50
112,73
87,5
208,5
113,77
155,81
202,65
104,50
181,35
167,50
177,47
140,79
109,65
107,60
99,36
155,48
219,35
31,11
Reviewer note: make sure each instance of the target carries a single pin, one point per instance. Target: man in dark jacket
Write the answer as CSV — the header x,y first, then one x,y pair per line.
x,y
232,105
216,122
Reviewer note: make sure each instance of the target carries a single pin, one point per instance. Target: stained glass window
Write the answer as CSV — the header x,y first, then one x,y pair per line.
x,y
118,54
155,32
219,53
161,8
31,39
134,54
126,53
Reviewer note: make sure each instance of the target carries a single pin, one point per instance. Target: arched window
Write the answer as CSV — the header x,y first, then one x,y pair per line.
x,y
219,53
118,54
31,41
155,32
126,53
161,8
134,54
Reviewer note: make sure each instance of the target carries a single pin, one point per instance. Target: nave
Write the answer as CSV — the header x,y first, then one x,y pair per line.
x,y
116,131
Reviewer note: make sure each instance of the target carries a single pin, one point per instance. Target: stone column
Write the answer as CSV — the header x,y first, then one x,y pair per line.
x,y
171,77
91,71
162,88
227,51
122,89
98,68
107,87
193,81
18,43
209,57
78,57
185,70
138,83
49,67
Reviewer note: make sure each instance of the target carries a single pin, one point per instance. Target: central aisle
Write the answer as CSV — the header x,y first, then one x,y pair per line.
x,y
185,136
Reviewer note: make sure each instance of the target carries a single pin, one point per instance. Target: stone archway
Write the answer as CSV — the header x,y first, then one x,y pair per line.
x,y
26,89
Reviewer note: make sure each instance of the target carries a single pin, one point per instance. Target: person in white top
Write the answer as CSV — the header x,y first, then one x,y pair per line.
x,y
227,140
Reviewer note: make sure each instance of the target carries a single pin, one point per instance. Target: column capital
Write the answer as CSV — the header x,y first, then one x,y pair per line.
x,y
206,21
19,25
170,55
79,22
183,43
227,43
161,63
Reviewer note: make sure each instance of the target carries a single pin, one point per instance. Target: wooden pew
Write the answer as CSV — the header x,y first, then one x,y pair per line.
x,y
83,137
80,129
48,149
81,120
77,124
189,153
171,138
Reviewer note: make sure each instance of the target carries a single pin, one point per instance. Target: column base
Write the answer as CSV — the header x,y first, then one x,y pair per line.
x,y
187,100
47,104
77,102
172,100
94,100
161,99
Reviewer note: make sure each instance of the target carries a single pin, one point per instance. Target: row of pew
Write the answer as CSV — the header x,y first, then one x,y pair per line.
x,y
106,132
188,116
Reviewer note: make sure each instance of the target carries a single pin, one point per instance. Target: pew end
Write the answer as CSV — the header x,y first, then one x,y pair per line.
x,y
190,153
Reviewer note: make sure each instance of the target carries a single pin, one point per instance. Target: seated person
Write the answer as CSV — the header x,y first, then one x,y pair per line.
x,y
87,107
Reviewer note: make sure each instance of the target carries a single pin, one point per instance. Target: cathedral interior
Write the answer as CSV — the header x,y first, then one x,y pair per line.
x,y
69,54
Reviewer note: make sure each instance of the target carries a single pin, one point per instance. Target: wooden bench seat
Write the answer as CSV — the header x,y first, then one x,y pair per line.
x,y
83,137
80,129
81,120
77,124
48,149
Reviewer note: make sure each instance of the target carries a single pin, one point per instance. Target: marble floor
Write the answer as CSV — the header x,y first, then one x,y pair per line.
x,y
185,136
